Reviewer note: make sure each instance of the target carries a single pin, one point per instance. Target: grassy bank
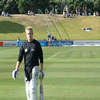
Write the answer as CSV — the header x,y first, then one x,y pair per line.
x,y
69,28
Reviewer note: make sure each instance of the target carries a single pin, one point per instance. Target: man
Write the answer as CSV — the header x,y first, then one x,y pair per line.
x,y
32,52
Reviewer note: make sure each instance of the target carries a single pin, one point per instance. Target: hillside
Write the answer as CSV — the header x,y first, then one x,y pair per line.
x,y
63,28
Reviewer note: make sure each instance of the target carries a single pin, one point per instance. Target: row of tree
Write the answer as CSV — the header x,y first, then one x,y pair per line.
x,y
22,6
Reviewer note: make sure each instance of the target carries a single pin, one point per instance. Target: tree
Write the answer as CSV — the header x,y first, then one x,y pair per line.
x,y
90,7
2,3
97,6
10,6
71,6
1,6
43,4
25,5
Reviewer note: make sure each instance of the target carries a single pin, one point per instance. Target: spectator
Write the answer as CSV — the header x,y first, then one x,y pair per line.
x,y
94,14
64,12
31,13
55,38
83,11
71,14
56,12
18,38
51,13
77,10
8,15
46,11
97,13
3,13
49,36
52,38
28,12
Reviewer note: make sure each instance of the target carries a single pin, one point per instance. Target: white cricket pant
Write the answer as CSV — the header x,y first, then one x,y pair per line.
x,y
31,86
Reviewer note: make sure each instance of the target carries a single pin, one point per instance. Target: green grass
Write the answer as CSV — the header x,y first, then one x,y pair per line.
x,y
12,27
71,73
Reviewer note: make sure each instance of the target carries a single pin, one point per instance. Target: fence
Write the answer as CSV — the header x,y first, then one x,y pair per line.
x,y
53,43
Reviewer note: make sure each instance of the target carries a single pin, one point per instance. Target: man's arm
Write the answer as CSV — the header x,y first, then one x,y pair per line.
x,y
41,64
15,72
17,65
21,52
41,71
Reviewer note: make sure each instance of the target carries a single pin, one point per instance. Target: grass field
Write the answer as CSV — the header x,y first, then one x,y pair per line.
x,y
71,73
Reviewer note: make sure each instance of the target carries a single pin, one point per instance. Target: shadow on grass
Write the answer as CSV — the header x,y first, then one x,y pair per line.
x,y
10,27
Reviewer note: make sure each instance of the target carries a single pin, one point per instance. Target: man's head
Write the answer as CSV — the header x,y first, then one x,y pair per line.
x,y
29,33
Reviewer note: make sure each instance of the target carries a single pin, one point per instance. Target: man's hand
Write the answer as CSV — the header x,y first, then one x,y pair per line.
x,y
41,75
15,74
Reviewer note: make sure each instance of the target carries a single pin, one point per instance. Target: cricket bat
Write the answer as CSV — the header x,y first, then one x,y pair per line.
x,y
41,89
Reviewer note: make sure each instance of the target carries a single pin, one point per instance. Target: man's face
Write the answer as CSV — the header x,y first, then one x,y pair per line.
x,y
29,35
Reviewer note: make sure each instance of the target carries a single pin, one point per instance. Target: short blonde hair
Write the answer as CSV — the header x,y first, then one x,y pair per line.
x,y
29,28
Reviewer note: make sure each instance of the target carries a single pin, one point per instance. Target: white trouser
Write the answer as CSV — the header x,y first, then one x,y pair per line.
x,y
31,86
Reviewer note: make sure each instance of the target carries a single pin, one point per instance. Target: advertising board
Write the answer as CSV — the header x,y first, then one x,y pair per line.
x,y
1,44
9,43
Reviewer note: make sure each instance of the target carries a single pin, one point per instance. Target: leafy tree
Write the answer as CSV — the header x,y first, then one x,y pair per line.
x,y
43,4
1,6
97,5
2,3
22,6
70,6
90,7
25,5
10,6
